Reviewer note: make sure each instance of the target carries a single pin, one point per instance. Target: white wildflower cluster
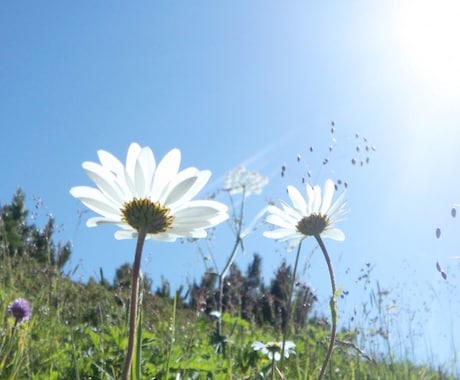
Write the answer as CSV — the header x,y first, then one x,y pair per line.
x,y
244,181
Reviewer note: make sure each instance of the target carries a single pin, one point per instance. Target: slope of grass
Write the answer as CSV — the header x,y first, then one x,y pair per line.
x,y
78,331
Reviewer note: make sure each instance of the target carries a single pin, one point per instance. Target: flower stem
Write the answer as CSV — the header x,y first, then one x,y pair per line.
x,y
134,304
333,307
238,242
289,305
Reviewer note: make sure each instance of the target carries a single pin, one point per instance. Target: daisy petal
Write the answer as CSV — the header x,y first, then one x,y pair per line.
x,y
111,163
327,196
125,234
279,221
316,201
105,180
144,175
281,234
95,200
100,220
297,200
185,186
167,169
131,160
200,214
334,234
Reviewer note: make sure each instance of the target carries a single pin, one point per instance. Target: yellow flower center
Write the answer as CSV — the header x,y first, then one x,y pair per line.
x,y
313,224
273,347
143,214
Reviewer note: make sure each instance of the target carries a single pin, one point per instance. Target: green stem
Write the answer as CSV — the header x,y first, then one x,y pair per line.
x,y
332,306
221,281
289,305
173,336
134,304
230,260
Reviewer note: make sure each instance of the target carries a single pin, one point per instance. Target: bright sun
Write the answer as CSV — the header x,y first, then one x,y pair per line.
x,y
429,35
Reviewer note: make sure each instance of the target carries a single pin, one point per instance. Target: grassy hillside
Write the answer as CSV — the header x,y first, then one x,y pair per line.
x,y
79,330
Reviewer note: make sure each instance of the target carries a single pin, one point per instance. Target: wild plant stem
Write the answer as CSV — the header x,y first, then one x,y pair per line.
x,y
332,306
173,336
134,305
289,305
230,260
221,280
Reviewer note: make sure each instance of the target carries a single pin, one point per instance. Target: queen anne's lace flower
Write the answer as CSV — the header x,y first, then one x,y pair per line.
x,y
316,216
142,195
244,181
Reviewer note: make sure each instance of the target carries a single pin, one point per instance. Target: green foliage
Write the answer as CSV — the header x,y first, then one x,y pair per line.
x,y
175,342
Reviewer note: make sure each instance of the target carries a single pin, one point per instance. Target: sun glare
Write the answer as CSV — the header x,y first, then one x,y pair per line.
x,y
428,33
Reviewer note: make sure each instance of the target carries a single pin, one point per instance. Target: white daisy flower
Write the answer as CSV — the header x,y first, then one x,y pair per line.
x,y
316,216
142,195
273,349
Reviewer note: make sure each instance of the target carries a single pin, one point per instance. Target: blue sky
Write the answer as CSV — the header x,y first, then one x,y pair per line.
x,y
254,83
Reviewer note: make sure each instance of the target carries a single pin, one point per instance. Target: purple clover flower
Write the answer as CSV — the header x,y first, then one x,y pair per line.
x,y
20,310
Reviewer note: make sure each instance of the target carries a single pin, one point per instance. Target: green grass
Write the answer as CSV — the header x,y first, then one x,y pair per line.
x,y
78,331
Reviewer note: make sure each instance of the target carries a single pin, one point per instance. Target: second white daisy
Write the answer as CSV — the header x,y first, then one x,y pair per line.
x,y
315,216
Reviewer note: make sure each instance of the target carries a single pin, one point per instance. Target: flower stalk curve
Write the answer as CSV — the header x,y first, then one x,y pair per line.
x,y
333,306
